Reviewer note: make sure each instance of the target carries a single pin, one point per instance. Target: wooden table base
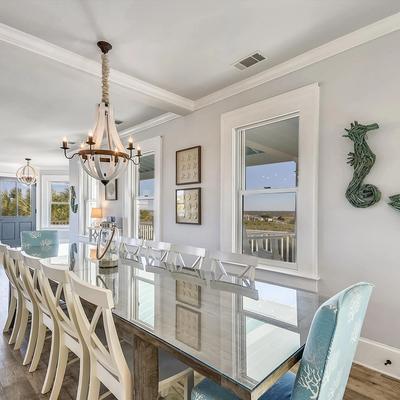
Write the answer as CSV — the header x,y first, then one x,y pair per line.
x,y
145,371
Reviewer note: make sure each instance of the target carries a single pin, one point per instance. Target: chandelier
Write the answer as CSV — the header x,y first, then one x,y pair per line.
x,y
27,174
104,157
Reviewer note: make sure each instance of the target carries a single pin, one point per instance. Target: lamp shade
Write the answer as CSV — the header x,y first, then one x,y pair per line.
x,y
96,213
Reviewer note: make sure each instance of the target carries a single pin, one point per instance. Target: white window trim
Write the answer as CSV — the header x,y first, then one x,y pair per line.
x,y
305,103
148,146
46,181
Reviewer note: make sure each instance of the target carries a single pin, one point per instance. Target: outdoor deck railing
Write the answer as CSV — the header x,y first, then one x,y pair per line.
x,y
146,231
272,245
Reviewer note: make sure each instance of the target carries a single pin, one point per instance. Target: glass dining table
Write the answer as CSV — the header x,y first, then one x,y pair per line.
x,y
243,333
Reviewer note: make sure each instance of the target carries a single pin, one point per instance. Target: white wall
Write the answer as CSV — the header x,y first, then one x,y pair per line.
x,y
354,244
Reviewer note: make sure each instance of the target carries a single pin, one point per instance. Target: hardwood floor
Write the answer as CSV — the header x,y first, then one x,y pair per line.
x,y
16,383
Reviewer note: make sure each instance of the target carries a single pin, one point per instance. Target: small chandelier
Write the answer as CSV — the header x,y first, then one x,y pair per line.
x,y
104,157
27,174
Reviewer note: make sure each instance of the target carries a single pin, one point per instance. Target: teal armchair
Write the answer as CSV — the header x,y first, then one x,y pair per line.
x,y
328,354
37,239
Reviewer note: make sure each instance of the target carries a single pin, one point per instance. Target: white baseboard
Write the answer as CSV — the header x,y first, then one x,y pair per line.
x,y
373,355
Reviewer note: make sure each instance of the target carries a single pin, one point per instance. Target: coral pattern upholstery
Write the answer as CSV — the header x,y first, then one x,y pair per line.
x,y
328,354
42,238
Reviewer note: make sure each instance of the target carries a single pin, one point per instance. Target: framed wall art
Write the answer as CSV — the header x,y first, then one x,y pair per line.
x,y
188,206
111,190
188,293
188,327
188,166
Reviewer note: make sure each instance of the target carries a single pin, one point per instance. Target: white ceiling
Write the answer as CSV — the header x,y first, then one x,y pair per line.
x,y
184,46
41,101
188,46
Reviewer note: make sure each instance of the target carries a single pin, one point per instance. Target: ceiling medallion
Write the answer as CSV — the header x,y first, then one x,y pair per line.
x,y
27,174
104,157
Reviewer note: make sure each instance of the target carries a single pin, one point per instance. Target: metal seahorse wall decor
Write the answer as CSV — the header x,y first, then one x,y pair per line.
x,y
359,194
395,201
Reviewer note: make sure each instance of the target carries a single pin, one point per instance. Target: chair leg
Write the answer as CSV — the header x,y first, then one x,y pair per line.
x,y
94,385
11,314
32,337
60,373
22,328
84,375
41,336
53,359
17,322
188,385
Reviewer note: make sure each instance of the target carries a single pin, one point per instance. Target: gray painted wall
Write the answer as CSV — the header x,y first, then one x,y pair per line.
x,y
354,244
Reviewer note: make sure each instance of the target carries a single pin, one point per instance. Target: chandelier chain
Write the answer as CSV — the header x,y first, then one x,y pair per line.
x,y
105,73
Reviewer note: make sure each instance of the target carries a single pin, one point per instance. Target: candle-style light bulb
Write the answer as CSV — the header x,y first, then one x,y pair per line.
x,y
65,142
130,143
139,151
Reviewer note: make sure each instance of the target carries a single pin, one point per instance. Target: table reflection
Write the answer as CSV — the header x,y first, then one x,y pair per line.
x,y
242,327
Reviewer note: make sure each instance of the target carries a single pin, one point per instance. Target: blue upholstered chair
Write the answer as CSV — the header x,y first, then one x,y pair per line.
x,y
328,354
37,239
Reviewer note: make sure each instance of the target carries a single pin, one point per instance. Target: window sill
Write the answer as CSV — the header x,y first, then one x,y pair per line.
x,y
288,271
287,277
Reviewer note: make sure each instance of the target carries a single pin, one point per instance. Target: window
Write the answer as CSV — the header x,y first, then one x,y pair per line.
x,y
268,186
269,172
145,198
91,189
15,199
275,316
141,203
59,203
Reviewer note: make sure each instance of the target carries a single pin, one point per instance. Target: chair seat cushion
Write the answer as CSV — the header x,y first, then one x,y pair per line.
x,y
208,390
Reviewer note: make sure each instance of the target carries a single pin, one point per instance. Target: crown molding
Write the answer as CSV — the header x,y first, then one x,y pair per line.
x,y
151,94
363,35
151,123
173,103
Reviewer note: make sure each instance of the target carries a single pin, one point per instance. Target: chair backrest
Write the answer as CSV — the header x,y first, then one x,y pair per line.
x,y
3,252
157,250
177,253
54,285
111,365
29,275
331,345
42,238
130,246
17,266
247,264
8,264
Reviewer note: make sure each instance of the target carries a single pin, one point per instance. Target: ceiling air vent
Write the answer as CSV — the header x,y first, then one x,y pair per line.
x,y
249,61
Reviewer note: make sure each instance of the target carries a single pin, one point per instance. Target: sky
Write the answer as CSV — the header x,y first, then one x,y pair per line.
x,y
275,176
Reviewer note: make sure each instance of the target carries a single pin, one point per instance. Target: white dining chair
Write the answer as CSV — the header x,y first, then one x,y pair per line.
x,y
28,306
242,265
178,252
69,336
130,247
44,322
13,314
156,250
107,361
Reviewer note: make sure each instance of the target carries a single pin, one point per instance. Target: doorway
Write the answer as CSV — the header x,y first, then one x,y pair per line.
x,y
17,210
